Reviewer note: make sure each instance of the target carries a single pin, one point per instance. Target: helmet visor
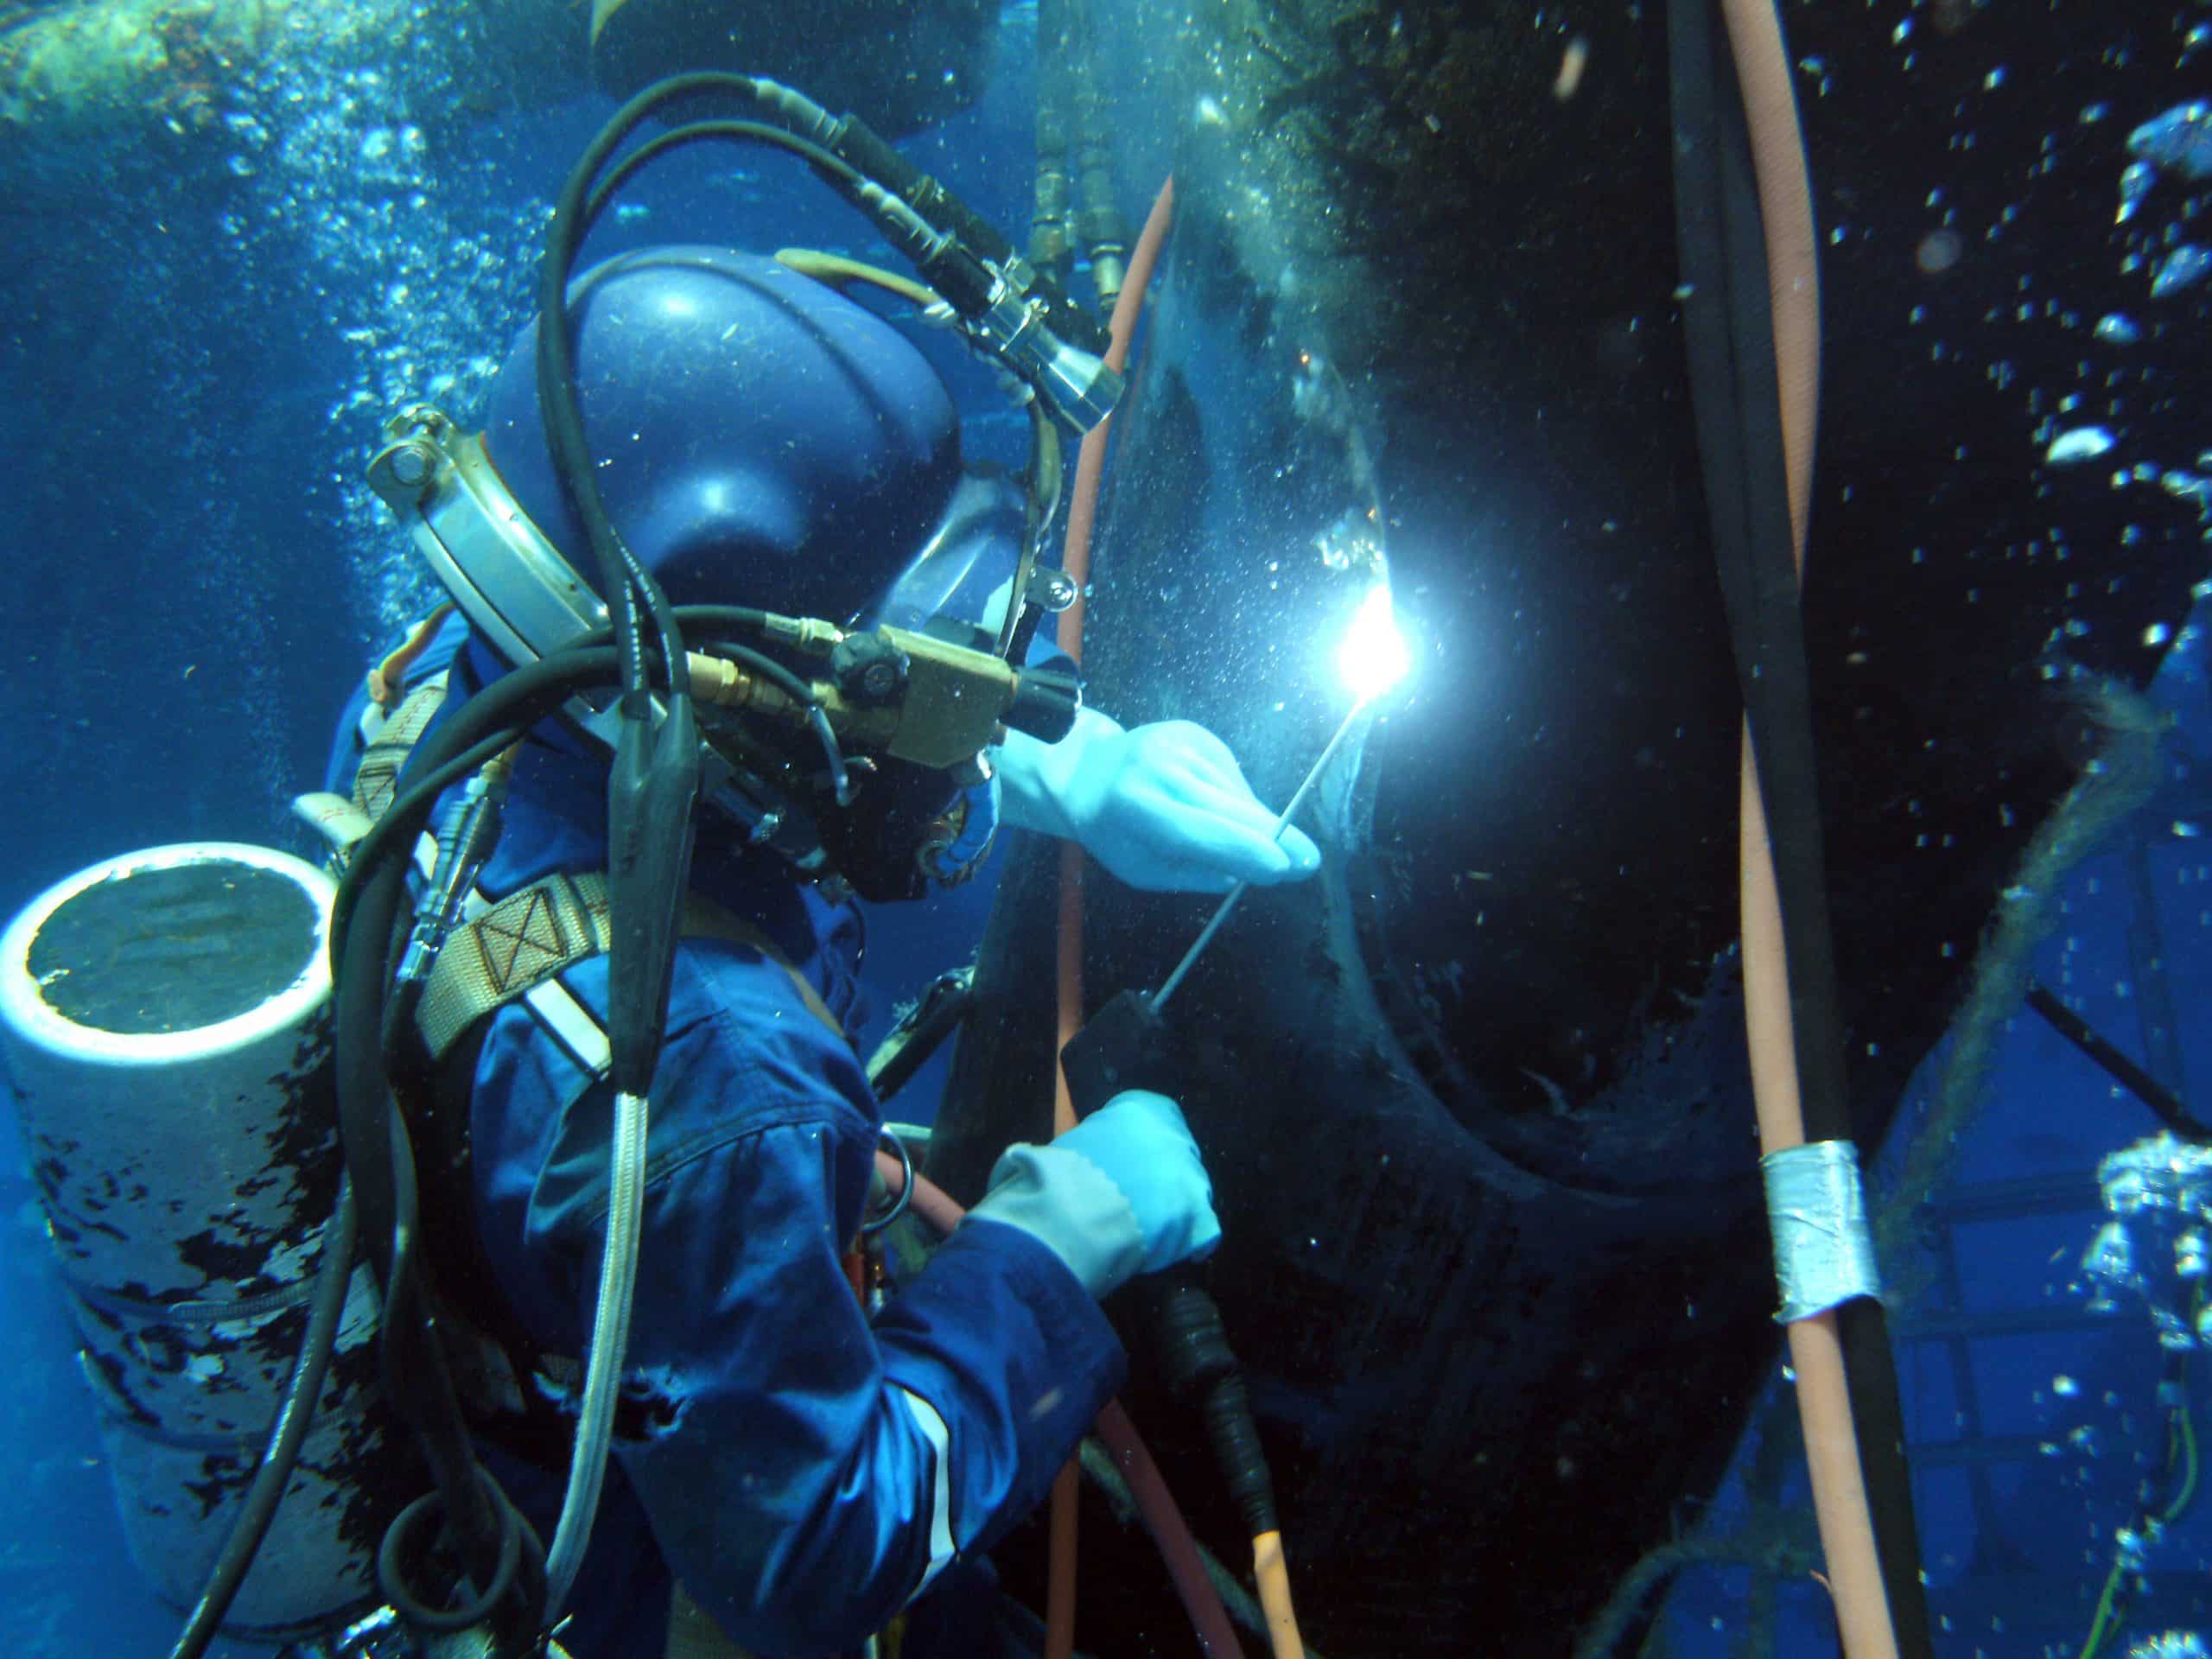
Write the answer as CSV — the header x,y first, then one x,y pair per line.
x,y
961,581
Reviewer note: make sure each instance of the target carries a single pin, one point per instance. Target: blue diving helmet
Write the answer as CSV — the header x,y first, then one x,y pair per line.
x,y
759,440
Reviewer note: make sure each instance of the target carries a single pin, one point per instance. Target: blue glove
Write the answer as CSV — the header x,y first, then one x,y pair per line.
x,y
1121,1193
1162,806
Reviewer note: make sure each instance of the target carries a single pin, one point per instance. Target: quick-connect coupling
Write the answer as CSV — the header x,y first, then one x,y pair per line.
x,y
1076,384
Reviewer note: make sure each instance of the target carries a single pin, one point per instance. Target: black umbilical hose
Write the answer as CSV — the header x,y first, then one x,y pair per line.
x,y
652,786
1194,1354
378,1158
833,168
411,809
489,1534
1728,326
333,1273
481,727
698,620
622,579
1125,1045
522,1562
381,1164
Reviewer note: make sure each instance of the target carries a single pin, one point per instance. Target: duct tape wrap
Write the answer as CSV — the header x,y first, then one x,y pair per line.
x,y
1824,1249
164,1016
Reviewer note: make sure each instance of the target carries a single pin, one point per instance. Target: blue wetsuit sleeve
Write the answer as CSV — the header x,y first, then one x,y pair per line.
x,y
806,1473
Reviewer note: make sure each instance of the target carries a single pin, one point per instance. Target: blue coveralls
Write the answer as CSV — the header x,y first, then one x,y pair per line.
x,y
817,1466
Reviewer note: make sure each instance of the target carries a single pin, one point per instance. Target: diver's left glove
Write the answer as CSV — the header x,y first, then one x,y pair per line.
x,y
1124,1193
1163,806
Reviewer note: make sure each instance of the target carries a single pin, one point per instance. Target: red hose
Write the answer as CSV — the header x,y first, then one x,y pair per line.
x,y
1067,996
1162,1517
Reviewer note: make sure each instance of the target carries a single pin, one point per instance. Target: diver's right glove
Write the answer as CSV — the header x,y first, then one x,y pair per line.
x,y
1163,807
1121,1193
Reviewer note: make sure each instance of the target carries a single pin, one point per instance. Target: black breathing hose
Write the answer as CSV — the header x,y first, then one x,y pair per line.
x,y
1194,1354
379,1161
1728,324
1126,1044
326,1305
407,813
369,927
832,167
622,579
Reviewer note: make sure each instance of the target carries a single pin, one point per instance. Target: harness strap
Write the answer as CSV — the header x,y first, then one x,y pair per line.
x,y
377,777
692,1635
539,931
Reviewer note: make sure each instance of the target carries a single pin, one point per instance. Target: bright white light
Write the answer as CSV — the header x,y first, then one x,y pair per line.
x,y
1373,657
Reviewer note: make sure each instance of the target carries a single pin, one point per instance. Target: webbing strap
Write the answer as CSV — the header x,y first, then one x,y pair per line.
x,y
692,1635
545,928
377,777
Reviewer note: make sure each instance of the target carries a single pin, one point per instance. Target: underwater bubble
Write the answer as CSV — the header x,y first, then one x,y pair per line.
x,y
2180,139
2189,1254
2117,329
1938,251
2111,1255
2081,444
2135,182
2064,1387
2170,1644
2181,268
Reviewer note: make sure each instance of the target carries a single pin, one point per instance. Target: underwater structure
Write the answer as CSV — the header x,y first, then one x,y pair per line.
x,y
1475,1103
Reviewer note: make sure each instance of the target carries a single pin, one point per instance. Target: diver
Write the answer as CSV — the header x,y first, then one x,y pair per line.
x,y
788,1466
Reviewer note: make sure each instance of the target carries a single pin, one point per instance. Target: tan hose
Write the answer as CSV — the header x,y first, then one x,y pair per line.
x,y
1815,1350
385,678
1272,1575
838,272
1786,212
1815,1347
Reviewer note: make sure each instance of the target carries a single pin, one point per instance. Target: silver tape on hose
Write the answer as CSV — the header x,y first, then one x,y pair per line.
x,y
1823,1249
